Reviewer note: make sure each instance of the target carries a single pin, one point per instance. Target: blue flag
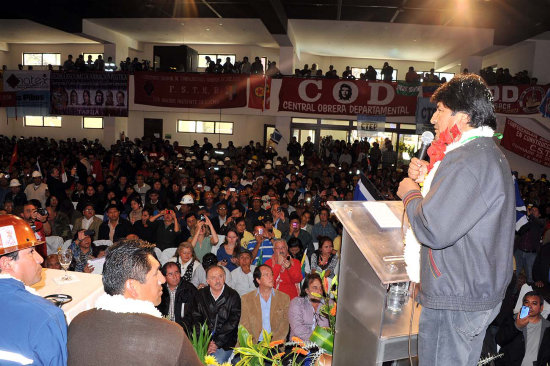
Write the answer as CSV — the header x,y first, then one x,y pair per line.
x,y
366,191
521,211
545,105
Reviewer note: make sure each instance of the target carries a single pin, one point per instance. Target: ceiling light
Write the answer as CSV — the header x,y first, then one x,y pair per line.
x,y
207,29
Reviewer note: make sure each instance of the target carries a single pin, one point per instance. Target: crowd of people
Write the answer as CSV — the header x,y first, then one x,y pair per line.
x,y
250,227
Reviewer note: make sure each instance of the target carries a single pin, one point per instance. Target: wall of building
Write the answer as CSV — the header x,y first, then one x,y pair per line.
x,y
71,126
340,63
516,57
15,54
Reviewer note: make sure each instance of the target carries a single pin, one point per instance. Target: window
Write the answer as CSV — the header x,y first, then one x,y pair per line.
x,y
42,121
213,57
335,122
204,127
263,60
41,59
357,71
380,77
224,128
94,56
304,120
92,122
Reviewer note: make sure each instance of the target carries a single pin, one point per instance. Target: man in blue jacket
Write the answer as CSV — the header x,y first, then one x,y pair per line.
x,y
33,330
464,219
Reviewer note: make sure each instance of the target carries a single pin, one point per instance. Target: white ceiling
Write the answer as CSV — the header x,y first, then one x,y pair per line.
x,y
192,30
27,31
390,41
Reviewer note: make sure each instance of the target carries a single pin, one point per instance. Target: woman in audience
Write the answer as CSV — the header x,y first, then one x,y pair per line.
x,y
304,310
145,229
227,252
295,248
136,210
59,222
324,258
204,237
187,260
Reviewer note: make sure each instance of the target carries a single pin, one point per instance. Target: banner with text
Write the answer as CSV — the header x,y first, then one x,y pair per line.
x,y
346,97
518,99
32,92
190,90
369,126
526,143
89,94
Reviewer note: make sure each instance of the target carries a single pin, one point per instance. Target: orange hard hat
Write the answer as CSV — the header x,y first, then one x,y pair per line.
x,y
16,234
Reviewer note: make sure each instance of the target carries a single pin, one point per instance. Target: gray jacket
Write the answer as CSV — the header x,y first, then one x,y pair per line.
x,y
466,224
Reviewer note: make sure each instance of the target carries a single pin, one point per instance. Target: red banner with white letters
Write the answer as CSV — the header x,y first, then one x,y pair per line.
x,y
526,143
518,99
345,97
186,90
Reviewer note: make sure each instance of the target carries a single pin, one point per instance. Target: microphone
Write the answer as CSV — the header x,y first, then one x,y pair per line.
x,y
426,138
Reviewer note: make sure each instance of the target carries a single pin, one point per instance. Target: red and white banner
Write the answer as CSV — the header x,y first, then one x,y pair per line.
x,y
526,143
260,92
518,99
346,97
167,89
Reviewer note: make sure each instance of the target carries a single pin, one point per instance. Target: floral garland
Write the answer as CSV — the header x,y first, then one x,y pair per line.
x,y
448,140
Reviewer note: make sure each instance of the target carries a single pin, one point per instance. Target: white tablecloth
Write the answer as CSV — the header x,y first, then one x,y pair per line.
x,y
84,292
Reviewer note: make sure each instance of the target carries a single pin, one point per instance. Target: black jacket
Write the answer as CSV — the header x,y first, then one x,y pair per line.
x,y
184,294
222,316
541,266
121,230
512,342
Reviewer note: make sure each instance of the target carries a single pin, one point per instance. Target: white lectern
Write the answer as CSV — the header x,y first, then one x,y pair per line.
x,y
367,332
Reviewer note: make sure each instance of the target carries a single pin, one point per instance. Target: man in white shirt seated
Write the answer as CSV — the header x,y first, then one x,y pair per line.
x,y
88,221
242,276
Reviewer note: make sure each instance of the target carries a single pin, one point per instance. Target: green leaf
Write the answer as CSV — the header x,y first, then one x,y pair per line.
x,y
315,294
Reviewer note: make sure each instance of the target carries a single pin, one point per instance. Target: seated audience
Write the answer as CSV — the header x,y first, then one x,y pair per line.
x,y
187,260
199,279
227,252
220,307
116,227
304,311
266,308
176,294
286,270
242,276
324,259
88,221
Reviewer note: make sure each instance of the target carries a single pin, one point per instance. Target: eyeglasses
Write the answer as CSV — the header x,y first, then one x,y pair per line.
x,y
222,208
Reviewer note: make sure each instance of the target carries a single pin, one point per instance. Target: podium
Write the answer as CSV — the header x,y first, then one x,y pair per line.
x,y
371,263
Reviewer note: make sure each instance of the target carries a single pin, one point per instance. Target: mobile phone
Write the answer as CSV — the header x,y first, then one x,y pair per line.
x,y
199,185
231,189
524,312
294,224
260,231
308,200
202,218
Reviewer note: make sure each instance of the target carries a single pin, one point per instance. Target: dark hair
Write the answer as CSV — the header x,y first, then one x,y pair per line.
x,y
112,205
96,249
168,264
209,259
242,250
15,256
294,216
310,277
534,294
125,260
468,93
258,274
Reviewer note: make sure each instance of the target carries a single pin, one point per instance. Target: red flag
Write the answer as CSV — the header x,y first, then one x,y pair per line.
x,y
13,158
112,165
259,84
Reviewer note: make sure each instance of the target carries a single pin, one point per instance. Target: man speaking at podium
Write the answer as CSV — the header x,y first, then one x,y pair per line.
x,y
464,219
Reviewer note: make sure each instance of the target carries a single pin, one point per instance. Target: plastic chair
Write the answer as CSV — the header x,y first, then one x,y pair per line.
x,y
221,239
167,254
53,243
75,204
103,242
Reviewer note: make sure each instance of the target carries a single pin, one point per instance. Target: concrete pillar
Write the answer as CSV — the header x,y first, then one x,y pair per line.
x,y
282,123
286,60
109,131
109,50
540,62
472,63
